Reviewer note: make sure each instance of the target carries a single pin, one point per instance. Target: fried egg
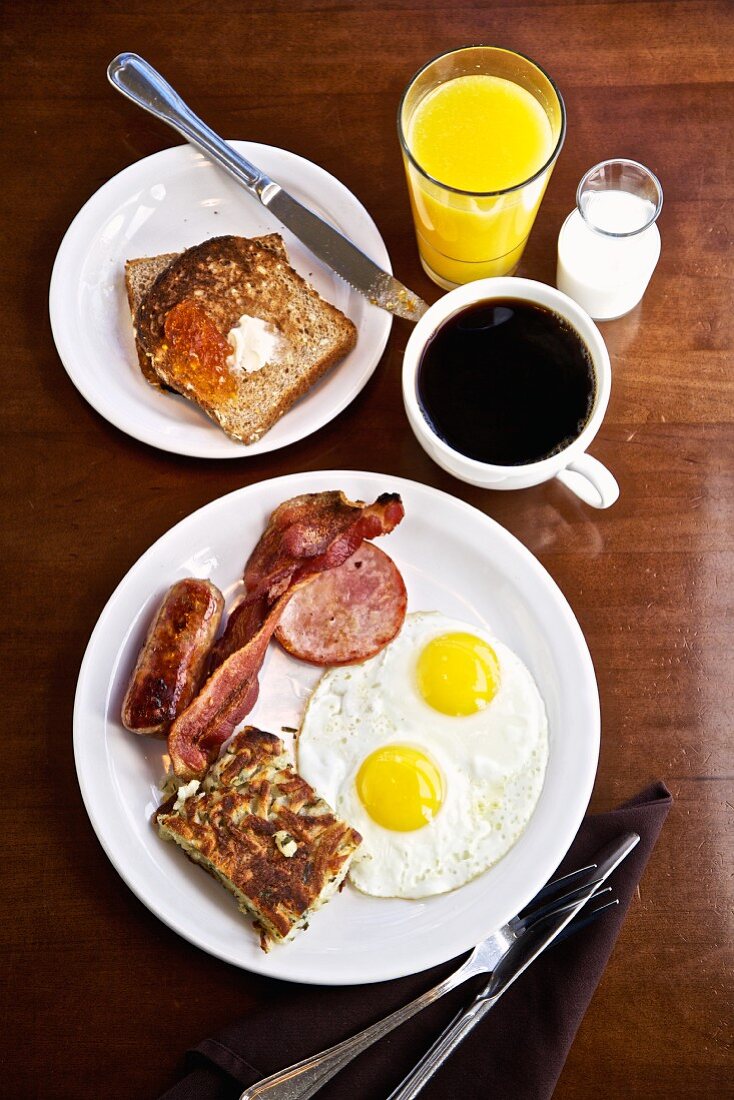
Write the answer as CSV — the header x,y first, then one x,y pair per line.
x,y
434,750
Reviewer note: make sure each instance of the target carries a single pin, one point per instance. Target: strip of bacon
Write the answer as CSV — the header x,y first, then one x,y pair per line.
x,y
313,532
229,694
242,625
304,536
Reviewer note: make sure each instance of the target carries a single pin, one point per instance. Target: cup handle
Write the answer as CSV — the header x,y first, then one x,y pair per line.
x,y
589,480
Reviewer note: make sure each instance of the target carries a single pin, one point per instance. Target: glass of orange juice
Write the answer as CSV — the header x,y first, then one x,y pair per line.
x,y
481,128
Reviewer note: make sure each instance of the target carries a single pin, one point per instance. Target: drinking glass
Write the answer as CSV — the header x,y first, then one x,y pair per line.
x,y
462,234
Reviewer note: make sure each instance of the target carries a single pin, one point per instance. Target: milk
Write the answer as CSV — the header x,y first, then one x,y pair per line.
x,y
607,275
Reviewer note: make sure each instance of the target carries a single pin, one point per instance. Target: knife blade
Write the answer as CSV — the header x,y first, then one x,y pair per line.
x,y
140,82
526,948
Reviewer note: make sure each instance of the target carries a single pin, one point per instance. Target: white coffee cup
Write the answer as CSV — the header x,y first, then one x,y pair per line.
x,y
583,475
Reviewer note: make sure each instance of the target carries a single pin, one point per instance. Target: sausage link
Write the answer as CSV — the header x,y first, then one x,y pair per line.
x,y
172,664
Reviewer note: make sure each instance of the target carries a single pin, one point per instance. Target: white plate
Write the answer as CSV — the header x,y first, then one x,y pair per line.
x,y
454,559
168,202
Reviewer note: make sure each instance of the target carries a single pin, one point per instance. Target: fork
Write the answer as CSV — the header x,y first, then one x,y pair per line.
x,y
303,1079
468,1017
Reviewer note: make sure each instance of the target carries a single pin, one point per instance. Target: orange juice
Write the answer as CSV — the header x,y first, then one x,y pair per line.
x,y
480,133
480,149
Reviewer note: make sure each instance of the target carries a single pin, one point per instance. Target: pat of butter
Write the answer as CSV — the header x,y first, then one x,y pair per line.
x,y
254,343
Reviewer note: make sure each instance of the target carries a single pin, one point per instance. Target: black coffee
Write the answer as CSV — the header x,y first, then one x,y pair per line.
x,y
506,382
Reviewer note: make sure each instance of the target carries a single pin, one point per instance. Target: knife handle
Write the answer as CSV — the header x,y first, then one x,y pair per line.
x,y
141,83
449,1039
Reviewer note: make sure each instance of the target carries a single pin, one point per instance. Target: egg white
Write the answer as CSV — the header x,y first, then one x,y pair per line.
x,y
492,762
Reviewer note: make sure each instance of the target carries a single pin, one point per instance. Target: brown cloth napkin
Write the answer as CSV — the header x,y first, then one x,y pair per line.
x,y
517,1053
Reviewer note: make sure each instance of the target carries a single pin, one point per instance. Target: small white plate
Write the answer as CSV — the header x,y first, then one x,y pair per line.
x,y
168,202
454,559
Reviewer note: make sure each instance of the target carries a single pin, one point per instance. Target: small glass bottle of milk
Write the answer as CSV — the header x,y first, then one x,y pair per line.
x,y
609,245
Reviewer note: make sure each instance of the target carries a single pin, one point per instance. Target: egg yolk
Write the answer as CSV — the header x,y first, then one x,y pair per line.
x,y
400,788
458,674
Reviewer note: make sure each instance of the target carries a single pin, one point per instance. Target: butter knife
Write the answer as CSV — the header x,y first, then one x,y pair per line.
x,y
141,83
518,958
307,1077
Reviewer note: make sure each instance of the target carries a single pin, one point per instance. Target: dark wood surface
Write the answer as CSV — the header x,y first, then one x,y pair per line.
x,y
100,998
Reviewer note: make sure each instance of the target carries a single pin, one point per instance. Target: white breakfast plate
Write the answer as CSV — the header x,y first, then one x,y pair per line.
x,y
168,202
454,559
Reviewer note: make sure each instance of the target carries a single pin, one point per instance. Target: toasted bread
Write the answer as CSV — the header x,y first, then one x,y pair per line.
x,y
140,274
219,281
139,278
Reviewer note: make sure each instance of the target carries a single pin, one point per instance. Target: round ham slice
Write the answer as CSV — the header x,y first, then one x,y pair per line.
x,y
347,614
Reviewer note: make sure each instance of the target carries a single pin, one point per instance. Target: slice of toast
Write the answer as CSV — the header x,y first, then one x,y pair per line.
x,y
139,278
220,281
140,275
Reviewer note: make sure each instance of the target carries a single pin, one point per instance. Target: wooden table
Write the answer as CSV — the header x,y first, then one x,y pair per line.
x,y
95,985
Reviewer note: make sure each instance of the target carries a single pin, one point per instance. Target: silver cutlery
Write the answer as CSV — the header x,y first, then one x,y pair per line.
x,y
141,83
510,967
465,1019
522,939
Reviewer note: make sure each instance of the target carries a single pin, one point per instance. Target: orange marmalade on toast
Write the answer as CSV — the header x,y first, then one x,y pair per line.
x,y
197,353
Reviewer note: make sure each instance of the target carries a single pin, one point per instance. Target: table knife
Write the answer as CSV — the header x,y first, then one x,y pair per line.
x,y
526,948
141,83
308,1076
